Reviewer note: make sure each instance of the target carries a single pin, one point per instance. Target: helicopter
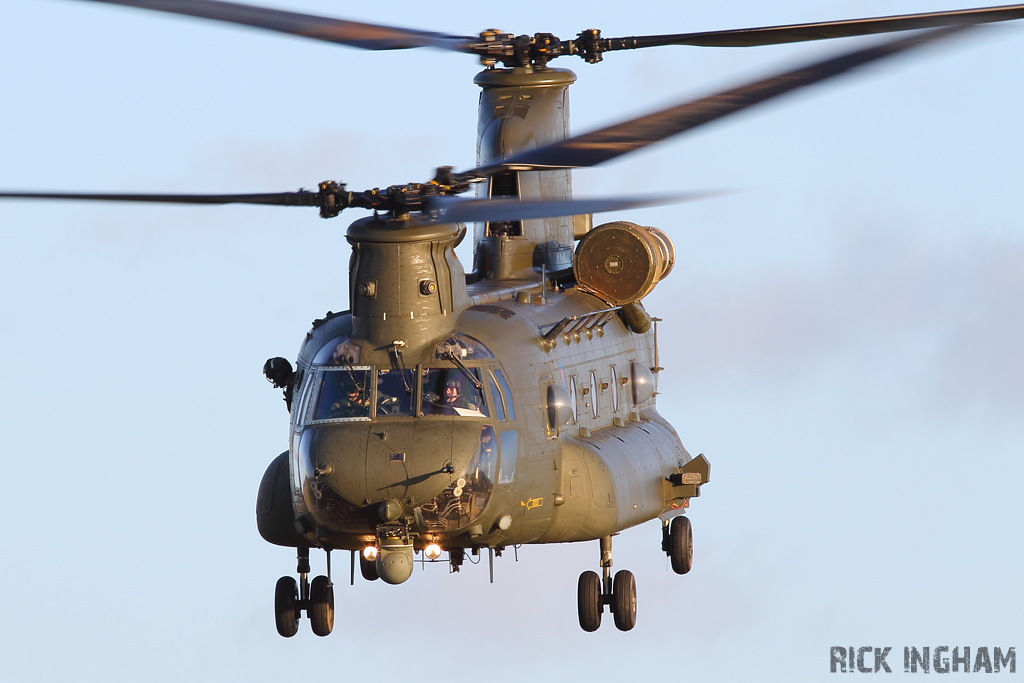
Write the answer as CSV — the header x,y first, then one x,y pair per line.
x,y
552,364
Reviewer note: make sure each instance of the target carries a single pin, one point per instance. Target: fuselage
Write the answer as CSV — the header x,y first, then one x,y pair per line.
x,y
494,473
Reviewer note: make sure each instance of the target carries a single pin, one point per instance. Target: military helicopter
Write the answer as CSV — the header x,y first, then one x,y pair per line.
x,y
446,411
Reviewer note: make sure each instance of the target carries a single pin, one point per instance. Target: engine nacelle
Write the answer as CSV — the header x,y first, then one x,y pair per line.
x,y
621,262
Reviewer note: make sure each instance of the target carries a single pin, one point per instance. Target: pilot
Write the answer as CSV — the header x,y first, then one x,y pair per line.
x,y
354,404
453,397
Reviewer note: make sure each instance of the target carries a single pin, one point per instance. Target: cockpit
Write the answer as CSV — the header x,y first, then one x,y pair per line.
x,y
447,422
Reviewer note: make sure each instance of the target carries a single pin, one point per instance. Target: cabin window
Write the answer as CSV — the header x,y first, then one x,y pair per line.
x,y
344,394
395,392
594,394
449,391
614,383
509,452
573,399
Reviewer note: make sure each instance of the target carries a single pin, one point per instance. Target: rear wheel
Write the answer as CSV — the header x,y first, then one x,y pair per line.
x,y
321,606
680,545
589,601
624,600
286,597
368,568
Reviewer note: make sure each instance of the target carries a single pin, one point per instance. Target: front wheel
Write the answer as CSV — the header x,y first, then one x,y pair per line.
x,y
589,601
286,614
321,606
624,600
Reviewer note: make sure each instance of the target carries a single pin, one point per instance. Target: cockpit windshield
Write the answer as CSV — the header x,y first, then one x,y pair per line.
x,y
357,393
395,392
449,391
344,394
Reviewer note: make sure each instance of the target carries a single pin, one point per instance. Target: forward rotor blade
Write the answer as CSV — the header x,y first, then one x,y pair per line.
x,y
599,146
301,198
793,33
365,36
453,210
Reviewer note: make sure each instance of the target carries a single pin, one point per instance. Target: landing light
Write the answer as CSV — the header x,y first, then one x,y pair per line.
x,y
370,552
432,551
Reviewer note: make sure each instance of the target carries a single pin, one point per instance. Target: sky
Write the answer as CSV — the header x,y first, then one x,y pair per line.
x,y
843,338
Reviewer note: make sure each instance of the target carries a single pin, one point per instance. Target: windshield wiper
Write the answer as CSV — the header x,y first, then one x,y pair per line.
x,y
449,352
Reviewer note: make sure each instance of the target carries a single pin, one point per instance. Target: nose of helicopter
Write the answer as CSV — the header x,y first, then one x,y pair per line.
x,y
411,461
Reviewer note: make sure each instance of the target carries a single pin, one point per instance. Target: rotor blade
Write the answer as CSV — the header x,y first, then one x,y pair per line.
x,y
453,210
301,198
793,33
365,36
599,146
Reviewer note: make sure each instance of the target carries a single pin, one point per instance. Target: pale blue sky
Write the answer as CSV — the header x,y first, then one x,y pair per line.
x,y
844,340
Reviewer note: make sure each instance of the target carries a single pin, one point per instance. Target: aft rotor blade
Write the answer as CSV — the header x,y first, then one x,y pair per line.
x,y
453,210
794,33
301,198
602,145
355,34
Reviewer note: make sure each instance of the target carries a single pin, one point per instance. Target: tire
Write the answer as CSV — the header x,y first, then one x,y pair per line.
x,y
321,606
680,544
286,595
589,601
368,568
624,600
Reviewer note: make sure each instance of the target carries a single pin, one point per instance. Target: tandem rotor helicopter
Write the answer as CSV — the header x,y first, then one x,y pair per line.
x,y
447,411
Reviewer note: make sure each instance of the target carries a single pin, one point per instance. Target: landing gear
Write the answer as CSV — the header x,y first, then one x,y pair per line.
x,y
317,599
624,600
677,542
286,611
593,594
321,606
589,601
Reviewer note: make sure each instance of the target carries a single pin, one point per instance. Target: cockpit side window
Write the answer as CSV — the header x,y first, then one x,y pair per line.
x,y
344,394
447,391
496,399
300,407
506,394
